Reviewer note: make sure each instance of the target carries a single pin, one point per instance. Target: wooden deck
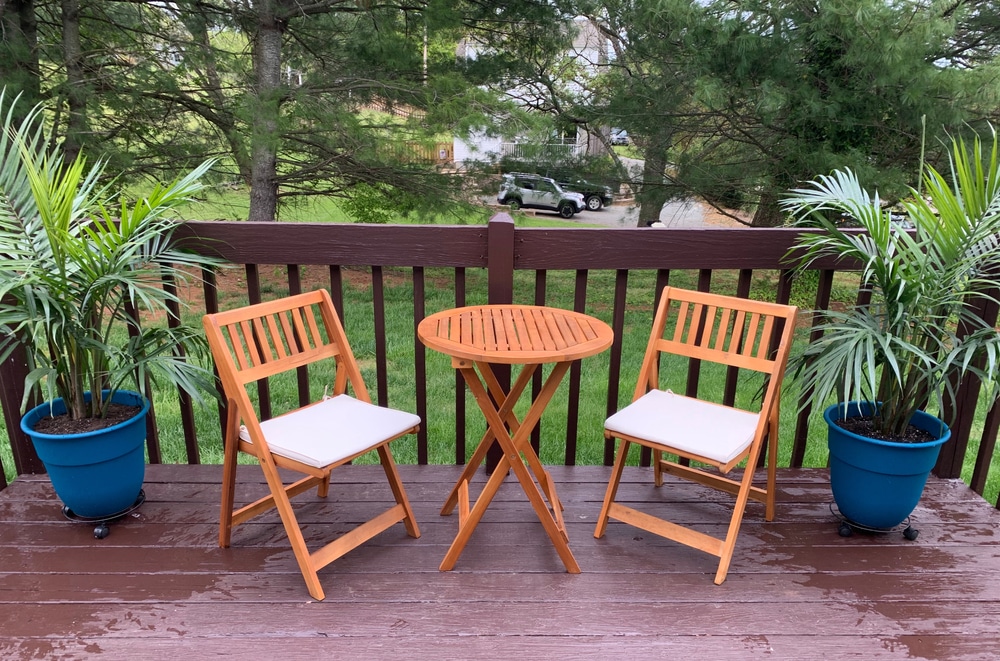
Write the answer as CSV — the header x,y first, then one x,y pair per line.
x,y
159,587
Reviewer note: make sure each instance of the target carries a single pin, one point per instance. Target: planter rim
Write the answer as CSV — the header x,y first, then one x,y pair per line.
x,y
48,404
828,415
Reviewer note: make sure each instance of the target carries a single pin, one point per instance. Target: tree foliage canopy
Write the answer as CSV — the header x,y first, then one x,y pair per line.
x,y
746,99
735,101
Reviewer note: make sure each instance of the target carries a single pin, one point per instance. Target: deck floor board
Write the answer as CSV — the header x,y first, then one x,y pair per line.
x,y
159,585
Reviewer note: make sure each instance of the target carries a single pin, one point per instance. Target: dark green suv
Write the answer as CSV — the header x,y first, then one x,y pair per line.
x,y
531,191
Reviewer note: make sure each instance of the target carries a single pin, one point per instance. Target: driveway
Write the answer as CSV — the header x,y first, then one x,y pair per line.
x,y
678,213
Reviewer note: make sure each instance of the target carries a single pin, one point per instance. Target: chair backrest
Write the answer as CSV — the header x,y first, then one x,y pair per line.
x,y
727,330
265,339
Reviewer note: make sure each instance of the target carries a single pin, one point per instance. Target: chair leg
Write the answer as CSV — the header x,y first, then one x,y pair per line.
x,y
323,488
291,524
742,498
729,545
398,492
609,496
657,468
230,451
772,470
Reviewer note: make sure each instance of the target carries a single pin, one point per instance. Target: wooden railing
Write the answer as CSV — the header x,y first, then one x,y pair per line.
x,y
503,252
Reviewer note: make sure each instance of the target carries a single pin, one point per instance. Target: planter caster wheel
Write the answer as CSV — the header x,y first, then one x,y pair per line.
x,y
103,529
846,527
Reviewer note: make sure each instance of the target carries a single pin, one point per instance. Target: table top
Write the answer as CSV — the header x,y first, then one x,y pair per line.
x,y
515,334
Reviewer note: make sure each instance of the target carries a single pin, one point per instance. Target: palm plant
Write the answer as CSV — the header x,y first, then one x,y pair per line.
x,y
75,270
922,330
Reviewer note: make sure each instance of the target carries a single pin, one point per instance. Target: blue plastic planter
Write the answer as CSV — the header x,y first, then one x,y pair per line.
x,y
98,473
877,484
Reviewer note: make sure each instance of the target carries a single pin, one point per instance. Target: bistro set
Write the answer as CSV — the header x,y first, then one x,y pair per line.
x,y
691,438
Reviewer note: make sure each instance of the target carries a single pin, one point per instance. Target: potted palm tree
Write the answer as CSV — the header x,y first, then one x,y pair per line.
x,y
886,362
75,269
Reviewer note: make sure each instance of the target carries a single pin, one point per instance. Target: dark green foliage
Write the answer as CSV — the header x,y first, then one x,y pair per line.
x,y
749,99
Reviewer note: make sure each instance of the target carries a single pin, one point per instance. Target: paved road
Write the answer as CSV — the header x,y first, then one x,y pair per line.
x,y
687,213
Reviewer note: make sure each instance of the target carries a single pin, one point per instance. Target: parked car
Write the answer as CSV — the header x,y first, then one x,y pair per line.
x,y
619,137
531,191
595,196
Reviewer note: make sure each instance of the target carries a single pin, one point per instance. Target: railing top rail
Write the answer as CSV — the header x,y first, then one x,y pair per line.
x,y
466,246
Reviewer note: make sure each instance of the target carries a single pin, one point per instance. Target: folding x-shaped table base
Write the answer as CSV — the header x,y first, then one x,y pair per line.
x,y
518,456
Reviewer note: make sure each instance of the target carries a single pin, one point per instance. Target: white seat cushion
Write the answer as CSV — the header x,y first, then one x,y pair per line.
x,y
332,430
709,430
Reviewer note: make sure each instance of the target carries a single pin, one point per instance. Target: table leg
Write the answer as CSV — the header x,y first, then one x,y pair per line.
x,y
514,448
507,402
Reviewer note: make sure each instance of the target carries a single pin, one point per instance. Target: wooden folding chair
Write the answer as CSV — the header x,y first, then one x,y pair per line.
x,y
714,435
260,341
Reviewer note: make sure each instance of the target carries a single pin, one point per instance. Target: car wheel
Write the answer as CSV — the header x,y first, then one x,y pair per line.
x,y
515,204
594,203
566,211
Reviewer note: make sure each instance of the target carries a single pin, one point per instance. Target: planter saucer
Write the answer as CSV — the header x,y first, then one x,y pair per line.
x,y
101,530
847,527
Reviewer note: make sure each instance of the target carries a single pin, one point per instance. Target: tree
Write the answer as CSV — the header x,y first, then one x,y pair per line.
x,y
19,50
646,87
322,98
751,98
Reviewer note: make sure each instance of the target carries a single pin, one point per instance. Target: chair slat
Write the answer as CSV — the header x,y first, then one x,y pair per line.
x,y
681,323
278,338
246,331
723,330
293,338
314,332
706,327
260,340
232,335
736,340
765,337
752,335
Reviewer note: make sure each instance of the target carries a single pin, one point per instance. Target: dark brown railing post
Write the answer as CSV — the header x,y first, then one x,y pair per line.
x,y
12,373
500,279
952,458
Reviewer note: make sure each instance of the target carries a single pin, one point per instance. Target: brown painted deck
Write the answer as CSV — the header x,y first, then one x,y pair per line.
x,y
158,587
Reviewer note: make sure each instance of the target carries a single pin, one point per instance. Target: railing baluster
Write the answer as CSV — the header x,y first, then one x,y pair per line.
x,y
459,379
420,361
378,310
615,364
536,379
573,405
821,302
253,297
184,399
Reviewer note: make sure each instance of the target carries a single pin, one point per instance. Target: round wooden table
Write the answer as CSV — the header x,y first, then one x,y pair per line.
x,y
478,337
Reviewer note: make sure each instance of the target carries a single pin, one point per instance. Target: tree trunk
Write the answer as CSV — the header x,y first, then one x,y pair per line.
x,y
265,113
652,194
768,212
77,127
19,53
